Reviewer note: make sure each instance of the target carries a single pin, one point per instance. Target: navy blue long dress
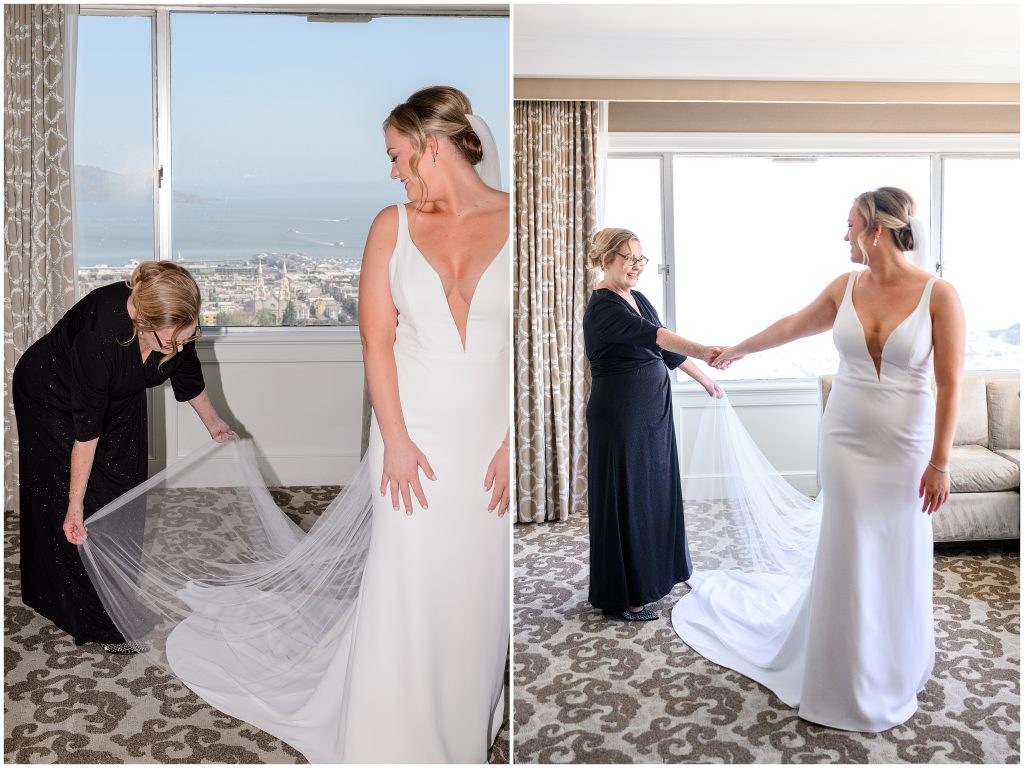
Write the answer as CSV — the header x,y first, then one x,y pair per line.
x,y
638,548
79,382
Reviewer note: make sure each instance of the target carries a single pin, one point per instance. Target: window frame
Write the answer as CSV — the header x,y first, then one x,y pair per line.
x,y
163,182
937,148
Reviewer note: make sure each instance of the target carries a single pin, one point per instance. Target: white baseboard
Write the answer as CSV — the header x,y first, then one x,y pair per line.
x,y
804,482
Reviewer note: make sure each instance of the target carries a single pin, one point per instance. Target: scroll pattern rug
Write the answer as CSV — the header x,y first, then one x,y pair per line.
x,y
65,704
590,689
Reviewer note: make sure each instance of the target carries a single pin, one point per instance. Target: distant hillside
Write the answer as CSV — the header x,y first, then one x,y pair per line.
x,y
1009,335
96,185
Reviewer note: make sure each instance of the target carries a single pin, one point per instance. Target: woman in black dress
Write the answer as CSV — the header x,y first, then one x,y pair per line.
x,y
80,402
638,548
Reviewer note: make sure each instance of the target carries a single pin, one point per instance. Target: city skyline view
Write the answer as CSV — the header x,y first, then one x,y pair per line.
x,y
277,151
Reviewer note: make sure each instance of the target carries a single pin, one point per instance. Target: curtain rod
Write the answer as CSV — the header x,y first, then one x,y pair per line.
x,y
310,10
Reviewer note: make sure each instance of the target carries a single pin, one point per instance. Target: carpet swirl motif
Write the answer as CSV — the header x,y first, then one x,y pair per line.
x,y
81,705
590,689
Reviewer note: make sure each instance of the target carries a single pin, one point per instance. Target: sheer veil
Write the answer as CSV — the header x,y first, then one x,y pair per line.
x,y
489,167
774,526
919,255
201,557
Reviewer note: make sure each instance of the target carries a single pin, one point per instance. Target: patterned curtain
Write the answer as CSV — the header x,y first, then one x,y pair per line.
x,y
556,157
39,267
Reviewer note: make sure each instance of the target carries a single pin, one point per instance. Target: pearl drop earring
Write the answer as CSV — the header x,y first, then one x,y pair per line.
x,y
875,241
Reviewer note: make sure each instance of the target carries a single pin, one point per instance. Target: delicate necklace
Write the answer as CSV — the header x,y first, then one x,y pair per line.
x,y
459,215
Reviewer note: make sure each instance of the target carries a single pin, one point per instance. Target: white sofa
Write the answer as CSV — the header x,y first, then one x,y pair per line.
x,y
985,463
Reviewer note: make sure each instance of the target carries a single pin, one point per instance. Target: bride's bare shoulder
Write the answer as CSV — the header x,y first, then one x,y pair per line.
x,y
837,286
383,234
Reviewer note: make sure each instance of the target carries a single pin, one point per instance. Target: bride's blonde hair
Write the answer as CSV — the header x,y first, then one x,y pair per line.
x,y
436,111
891,207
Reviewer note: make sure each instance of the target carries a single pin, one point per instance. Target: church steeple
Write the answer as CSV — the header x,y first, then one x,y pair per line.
x,y
261,285
284,293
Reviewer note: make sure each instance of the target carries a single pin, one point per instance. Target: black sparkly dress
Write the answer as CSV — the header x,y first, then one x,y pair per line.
x,y
638,548
79,382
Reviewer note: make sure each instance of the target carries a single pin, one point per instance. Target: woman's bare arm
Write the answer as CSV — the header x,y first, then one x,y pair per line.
x,y
816,317
378,320
673,342
948,340
82,456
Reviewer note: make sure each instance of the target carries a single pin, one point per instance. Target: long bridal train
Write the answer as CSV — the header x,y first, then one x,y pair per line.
x,y
222,590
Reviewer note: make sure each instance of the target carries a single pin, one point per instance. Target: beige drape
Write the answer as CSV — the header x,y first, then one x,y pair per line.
x,y
39,268
556,159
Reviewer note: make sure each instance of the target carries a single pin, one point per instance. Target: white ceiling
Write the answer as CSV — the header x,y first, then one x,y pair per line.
x,y
727,41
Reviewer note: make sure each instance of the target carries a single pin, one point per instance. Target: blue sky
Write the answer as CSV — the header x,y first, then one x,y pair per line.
x,y
277,102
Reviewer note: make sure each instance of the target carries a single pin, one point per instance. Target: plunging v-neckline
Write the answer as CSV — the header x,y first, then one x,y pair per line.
x,y
462,334
863,330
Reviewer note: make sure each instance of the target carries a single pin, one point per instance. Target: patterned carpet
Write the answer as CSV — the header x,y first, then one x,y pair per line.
x,y
590,689
80,705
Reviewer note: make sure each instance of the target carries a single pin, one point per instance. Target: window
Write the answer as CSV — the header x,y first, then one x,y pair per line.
x,y
759,238
980,256
633,202
276,153
113,148
756,238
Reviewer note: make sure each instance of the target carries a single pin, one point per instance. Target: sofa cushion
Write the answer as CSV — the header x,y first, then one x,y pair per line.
x,y
972,425
1011,454
1003,413
973,516
974,469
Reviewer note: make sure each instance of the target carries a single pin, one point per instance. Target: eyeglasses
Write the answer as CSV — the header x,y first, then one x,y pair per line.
x,y
641,262
176,344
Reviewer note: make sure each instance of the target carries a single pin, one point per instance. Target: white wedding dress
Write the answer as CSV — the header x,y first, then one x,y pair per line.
x,y
846,633
432,670
378,637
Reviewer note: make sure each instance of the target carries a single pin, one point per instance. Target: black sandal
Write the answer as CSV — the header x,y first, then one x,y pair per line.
x,y
646,614
124,649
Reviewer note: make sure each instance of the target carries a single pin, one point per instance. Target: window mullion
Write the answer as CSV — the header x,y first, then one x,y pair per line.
x,y
668,239
162,132
938,213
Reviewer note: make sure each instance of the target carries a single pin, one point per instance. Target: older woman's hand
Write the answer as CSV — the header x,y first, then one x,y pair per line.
x,y
710,353
74,523
220,431
402,463
712,388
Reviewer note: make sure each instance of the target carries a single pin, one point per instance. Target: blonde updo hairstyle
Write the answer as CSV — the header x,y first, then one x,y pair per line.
x,y
892,208
605,246
164,295
436,111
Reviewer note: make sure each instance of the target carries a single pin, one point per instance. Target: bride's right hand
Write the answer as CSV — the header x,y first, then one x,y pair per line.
x,y
401,473
725,358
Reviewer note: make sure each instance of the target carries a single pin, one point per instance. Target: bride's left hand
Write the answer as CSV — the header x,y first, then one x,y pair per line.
x,y
496,481
934,489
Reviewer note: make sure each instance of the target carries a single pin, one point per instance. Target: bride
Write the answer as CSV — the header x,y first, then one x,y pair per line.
x,y
381,635
832,606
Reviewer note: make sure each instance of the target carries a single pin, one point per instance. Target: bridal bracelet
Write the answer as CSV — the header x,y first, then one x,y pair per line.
x,y
943,471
